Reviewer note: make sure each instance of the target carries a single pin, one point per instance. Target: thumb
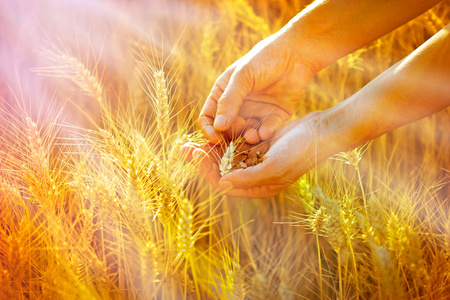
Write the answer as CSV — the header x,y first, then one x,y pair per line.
x,y
228,105
259,175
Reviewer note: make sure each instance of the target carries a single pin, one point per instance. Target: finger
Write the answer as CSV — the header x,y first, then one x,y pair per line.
x,y
206,119
187,149
239,124
251,123
201,159
236,129
228,105
207,128
209,170
251,136
209,110
258,108
286,128
268,127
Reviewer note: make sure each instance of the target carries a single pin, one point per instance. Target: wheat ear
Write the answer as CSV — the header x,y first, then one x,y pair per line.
x,y
226,163
161,102
185,238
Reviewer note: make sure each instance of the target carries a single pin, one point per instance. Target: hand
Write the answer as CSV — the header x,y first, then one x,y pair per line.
x,y
288,155
258,93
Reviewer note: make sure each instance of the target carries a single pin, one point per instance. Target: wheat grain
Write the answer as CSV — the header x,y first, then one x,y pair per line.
x,y
228,162
318,220
335,233
257,158
306,194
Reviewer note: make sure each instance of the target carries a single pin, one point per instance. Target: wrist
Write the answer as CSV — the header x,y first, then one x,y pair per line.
x,y
338,129
313,37
323,139
301,47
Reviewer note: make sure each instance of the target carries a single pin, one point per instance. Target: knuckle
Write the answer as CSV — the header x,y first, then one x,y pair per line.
x,y
205,125
245,74
221,83
216,93
204,121
226,103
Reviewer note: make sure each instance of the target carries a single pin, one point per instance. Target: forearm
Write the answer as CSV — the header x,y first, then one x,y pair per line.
x,y
330,29
414,88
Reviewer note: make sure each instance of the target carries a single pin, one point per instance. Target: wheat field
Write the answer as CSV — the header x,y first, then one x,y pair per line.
x,y
96,201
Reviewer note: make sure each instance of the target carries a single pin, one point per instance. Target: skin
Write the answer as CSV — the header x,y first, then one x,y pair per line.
x,y
410,90
281,166
259,92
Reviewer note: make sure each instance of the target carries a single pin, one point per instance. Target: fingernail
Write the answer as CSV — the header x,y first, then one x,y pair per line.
x,y
220,121
225,185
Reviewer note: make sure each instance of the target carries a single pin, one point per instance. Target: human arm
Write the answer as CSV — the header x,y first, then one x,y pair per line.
x,y
260,91
414,88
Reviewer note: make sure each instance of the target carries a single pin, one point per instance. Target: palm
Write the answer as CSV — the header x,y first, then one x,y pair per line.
x,y
260,91
280,168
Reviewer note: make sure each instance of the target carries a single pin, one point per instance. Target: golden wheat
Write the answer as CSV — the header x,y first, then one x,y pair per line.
x,y
112,211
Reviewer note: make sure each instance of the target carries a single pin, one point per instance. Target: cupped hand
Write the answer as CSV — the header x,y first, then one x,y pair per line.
x,y
288,155
258,93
